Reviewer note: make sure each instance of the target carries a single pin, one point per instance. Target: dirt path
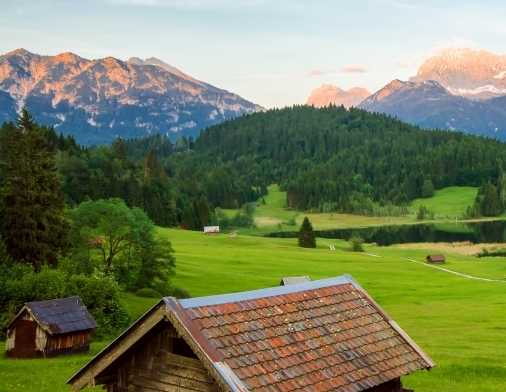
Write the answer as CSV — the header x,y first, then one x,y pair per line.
x,y
454,272
331,247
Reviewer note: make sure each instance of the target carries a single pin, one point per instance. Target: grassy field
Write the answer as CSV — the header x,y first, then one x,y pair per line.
x,y
447,204
459,322
452,201
269,215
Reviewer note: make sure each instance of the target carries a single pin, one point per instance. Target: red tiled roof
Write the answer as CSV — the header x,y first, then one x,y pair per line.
x,y
320,336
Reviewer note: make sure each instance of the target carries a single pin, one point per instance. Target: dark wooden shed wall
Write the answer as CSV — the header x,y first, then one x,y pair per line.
x,y
158,366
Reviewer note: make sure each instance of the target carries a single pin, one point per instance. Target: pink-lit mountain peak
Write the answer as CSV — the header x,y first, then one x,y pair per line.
x,y
329,93
466,72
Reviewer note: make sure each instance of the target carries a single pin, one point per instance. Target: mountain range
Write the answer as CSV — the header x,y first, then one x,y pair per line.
x,y
461,89
98,100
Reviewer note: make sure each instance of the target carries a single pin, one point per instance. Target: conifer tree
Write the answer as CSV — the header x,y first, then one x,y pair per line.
x,y
32,221
306,237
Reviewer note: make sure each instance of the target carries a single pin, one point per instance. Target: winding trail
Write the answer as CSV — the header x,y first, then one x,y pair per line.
x,y
331,247
454,272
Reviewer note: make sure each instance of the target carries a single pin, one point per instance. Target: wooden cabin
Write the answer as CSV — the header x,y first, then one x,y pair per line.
x,y
436,258
49,329
321,335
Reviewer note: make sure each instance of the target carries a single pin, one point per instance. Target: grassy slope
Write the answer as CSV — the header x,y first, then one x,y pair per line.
x,y
457,321
269,215
447,203
452,201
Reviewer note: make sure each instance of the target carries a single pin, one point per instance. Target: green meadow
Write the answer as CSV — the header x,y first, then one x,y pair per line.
x,y
451,201
447,204
459,322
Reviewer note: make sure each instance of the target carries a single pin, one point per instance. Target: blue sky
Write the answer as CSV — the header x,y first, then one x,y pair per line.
x,y
270,52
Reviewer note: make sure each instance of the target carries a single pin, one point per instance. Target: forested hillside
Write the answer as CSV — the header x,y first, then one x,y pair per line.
x,y
335,159
328,159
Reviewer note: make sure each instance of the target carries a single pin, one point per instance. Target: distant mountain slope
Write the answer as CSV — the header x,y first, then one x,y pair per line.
x,y
328,93
428,104
96,100
469,73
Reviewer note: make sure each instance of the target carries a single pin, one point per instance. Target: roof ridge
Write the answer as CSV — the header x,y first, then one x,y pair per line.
x,y
262,293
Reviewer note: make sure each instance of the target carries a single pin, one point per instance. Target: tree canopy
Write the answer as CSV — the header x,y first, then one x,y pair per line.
x,y
32,222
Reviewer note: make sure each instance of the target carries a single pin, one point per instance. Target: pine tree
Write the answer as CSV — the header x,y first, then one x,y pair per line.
x,y
32,222
307,238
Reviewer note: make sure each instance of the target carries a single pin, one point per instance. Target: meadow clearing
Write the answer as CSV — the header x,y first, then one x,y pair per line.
x,y
448,204
458,322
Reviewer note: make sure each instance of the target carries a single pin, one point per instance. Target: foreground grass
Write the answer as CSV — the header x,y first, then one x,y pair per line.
x,y
458,322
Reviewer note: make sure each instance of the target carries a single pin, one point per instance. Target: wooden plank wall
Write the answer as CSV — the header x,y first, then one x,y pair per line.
x,y
155,368
75,340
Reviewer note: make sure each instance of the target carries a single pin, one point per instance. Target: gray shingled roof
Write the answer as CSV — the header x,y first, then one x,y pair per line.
x,y
60,315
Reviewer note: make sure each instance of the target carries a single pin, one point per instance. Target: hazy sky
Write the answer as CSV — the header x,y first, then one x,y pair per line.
x,y
271,52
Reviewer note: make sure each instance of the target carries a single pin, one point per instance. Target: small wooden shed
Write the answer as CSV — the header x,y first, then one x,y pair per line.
x,y
436,259
211,230
49,329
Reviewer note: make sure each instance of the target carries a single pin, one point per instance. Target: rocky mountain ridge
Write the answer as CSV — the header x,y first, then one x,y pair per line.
x,y
429,104
97,100
329,93
466,72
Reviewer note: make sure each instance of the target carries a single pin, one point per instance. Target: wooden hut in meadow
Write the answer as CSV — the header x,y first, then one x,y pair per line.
x,y
323,335
436,258
49,329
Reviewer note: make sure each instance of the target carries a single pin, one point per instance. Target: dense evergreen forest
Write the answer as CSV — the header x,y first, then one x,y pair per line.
x,y
332,159
345,160
328,159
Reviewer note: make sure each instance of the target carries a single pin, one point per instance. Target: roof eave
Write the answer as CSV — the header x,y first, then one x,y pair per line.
x,y
404,335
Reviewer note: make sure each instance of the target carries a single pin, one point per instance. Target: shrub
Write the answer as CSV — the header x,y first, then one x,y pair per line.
x,y
178,292
356,244
148,293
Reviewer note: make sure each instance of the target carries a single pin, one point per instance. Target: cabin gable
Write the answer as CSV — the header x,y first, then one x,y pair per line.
x,y
152,356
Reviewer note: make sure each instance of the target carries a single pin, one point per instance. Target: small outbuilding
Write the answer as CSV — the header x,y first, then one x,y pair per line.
x,y
323,335
294,280
211,230
49,329
436,259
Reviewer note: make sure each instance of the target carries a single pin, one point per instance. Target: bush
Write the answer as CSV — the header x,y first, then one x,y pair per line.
x,y
356,244
178,292
148,293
